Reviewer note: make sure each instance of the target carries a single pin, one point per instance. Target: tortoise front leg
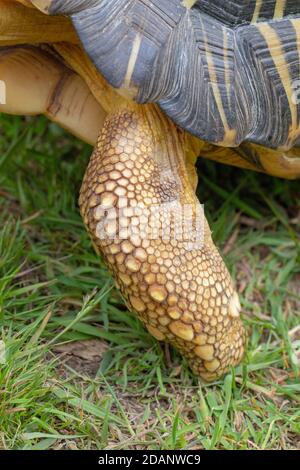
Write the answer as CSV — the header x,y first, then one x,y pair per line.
x,y
135,193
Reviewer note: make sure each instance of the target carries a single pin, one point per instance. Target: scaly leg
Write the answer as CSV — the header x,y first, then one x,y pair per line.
x,y
22,25
134,194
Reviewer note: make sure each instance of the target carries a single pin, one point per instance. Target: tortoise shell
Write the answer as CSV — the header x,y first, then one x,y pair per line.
x,y
227,72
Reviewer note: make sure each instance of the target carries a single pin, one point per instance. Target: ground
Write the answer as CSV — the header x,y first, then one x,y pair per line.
x,y
77,371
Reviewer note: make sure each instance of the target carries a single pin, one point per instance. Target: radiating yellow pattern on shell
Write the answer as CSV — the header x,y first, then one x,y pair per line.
x,y
183,296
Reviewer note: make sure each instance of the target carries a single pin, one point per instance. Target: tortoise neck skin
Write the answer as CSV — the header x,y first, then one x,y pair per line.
x,y
135,187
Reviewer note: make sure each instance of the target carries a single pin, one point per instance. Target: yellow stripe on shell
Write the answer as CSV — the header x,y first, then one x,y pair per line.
x,y
278,55
229,134
279,9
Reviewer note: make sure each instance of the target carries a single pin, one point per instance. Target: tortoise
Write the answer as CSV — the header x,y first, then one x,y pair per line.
x,y
152,85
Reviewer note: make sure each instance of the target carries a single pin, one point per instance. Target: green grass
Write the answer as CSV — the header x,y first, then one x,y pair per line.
x,y
122,389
